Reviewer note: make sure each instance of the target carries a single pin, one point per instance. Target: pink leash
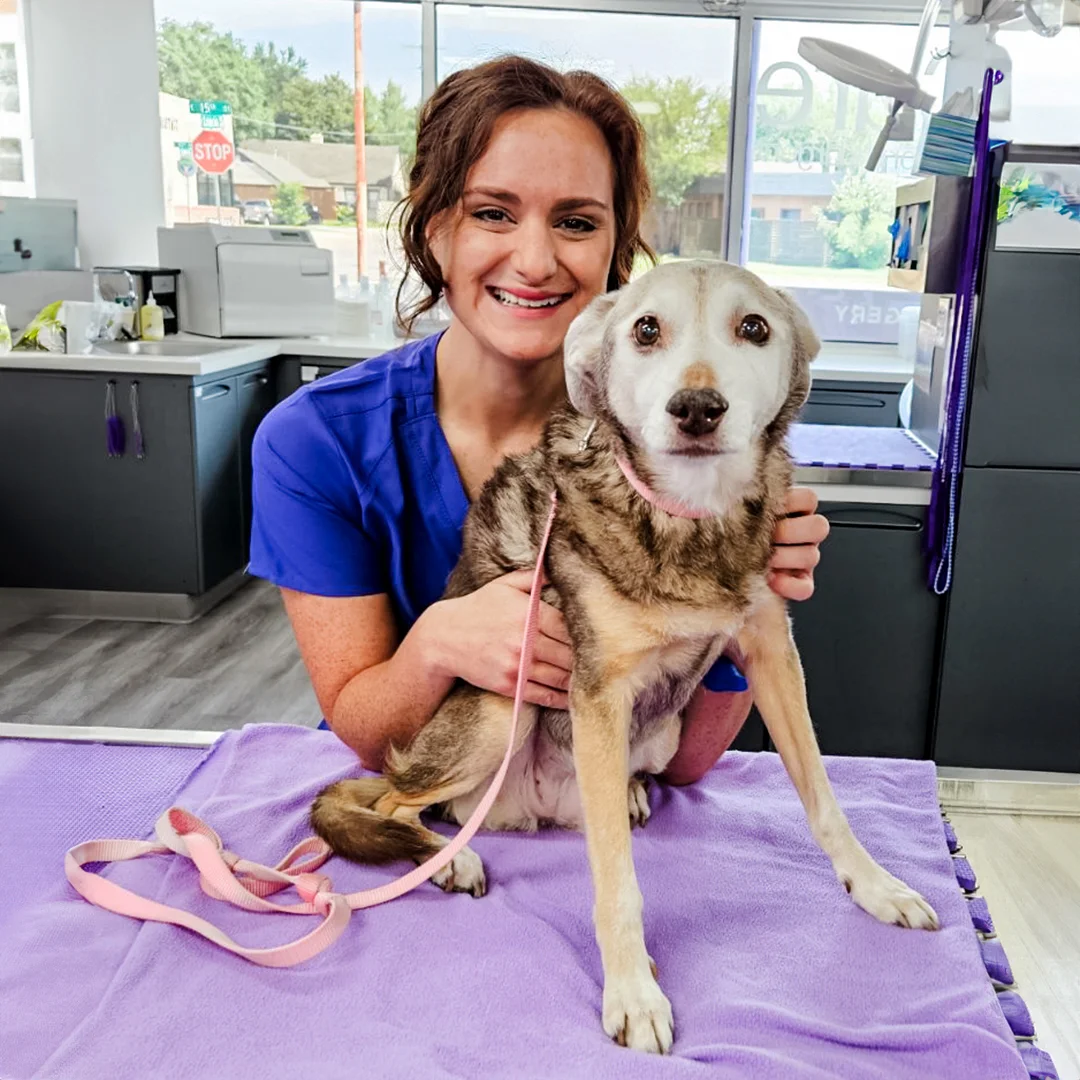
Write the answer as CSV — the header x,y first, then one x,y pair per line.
x,y
225,876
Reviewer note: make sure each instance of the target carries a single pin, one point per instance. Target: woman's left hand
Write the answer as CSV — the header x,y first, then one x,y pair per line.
x,y
796,548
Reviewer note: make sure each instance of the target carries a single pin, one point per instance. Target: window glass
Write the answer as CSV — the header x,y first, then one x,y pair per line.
x,y
16,168
286,74
675,70
817,220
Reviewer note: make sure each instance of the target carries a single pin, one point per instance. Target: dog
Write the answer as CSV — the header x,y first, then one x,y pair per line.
x,y
690,377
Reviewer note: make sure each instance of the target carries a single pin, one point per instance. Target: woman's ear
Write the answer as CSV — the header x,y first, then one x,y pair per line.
x,y
585,359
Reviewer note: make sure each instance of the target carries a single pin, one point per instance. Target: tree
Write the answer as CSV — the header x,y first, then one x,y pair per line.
x,y
686,128
289,204
856,221
269,90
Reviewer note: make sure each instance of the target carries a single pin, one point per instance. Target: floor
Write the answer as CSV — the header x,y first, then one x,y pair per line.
x,y
239,664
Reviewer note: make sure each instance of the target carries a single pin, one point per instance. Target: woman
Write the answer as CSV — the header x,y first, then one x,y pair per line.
x,y
525,202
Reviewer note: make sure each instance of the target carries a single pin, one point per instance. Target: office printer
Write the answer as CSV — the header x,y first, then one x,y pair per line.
x,y
250,281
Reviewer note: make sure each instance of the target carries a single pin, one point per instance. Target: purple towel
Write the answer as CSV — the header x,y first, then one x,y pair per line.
x,y
772,970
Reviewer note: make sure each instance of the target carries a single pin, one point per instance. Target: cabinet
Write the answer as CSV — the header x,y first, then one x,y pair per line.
x,y
868,404
174,522
1010,697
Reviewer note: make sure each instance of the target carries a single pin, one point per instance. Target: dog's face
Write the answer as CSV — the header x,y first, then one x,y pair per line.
x,y
693,361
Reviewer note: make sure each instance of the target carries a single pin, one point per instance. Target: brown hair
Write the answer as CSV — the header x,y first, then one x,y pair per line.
x,y
453,132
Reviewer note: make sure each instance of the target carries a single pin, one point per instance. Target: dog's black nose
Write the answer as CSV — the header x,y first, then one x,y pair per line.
x,y
698,411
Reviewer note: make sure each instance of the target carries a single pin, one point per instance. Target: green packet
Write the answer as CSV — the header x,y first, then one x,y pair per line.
x,y
44,331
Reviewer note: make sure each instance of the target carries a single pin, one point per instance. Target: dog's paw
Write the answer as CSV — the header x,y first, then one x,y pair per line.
x,y
638,801
636,1014
888,899
464,873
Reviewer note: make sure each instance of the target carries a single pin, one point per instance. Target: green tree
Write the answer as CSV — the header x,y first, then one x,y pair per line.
x,y
325,106
389,120
856,221
686,128
289,204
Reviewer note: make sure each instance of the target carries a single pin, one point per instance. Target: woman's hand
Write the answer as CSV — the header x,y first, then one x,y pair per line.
x,y
478,638
796,546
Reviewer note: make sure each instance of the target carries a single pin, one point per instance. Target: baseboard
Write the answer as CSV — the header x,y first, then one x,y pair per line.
x,y
1005,791
124,736
120,606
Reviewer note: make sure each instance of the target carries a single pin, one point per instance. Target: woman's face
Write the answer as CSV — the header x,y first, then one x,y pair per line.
x,y
532,240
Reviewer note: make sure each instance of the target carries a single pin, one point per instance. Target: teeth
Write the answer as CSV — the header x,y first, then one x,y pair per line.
x,y
509,298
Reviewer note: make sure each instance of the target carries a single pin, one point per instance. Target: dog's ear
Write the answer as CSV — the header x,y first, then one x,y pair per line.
x,y
807,342
582,355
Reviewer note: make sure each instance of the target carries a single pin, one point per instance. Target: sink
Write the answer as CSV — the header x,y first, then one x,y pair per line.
x,y
162,348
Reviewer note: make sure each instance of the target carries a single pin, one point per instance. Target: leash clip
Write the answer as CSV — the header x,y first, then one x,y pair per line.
x,y
584,444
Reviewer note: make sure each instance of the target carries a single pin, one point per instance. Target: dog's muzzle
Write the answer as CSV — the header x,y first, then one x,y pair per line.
x,y
698,412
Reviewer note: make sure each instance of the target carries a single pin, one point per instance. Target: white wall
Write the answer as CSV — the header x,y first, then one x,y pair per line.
x,y
94,115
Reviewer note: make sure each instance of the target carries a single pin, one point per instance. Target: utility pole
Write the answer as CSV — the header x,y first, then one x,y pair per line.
x,y
358,136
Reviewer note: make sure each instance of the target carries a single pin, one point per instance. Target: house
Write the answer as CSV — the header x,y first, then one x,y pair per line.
x,y
257,175
335,163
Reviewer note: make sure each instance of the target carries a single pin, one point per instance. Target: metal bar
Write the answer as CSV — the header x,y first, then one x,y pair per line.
x,y
126,736
428,53
740,136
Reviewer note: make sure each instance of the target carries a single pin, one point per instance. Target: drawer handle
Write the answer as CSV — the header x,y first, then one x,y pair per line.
x,y
221,389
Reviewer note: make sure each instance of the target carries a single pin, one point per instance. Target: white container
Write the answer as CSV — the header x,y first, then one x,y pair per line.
x,y
352,318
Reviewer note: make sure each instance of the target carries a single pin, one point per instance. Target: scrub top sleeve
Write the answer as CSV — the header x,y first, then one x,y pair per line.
x,y
306,531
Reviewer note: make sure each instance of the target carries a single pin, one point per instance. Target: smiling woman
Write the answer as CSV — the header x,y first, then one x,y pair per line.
x,y
525,202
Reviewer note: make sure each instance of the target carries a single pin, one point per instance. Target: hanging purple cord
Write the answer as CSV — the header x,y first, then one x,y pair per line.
x,y
114,426
941,519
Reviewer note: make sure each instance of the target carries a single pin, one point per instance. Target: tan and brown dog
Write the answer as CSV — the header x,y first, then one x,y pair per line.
x,y
693,374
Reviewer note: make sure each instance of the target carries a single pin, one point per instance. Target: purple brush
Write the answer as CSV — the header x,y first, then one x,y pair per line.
x,y
114,426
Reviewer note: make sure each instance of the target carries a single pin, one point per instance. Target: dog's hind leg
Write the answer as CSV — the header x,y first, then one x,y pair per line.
x,y
776,678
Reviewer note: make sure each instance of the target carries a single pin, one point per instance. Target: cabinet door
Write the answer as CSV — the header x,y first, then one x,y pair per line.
x,y
868,636
217,481
256,397
1010,696
71,517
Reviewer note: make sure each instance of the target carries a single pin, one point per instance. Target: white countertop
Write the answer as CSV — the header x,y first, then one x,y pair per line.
x,y
837,360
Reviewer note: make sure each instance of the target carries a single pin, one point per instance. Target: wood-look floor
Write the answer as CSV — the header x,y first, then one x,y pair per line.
x,y
239,664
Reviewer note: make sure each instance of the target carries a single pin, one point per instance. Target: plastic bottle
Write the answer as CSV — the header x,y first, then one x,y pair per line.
x,y
384,304
152,320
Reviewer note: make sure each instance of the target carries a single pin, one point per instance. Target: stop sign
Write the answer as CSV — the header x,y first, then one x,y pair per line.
x,y
212,151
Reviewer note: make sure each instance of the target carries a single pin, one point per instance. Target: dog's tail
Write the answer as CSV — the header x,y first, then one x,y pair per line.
x,y
344,815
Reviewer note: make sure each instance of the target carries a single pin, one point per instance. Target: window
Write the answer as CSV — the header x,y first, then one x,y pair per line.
x,y
284,75
675,70
821,230
16,166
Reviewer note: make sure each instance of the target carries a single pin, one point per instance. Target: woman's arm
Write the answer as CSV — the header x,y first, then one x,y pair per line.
x,y
375,690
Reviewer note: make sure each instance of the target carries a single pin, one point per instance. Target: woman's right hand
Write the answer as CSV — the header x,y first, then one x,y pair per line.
x,y
478,638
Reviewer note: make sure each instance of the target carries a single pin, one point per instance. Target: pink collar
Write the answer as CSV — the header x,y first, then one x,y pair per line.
x,y
674,507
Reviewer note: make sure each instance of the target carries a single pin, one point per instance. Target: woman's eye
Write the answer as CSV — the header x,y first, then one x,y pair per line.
x,y
754,328
490,214
578,224
647,330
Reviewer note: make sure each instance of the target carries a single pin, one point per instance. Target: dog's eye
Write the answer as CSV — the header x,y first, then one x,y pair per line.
x,y
754,328
647,330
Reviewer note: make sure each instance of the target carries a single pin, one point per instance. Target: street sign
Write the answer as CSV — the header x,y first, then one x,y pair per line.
x,y
212,151
186,167
211,122
183,147
210,108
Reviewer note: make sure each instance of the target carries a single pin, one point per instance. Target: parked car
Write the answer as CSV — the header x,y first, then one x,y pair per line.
x,y
256,212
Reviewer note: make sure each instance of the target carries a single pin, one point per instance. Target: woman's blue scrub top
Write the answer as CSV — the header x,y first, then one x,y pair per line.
x,y
355,491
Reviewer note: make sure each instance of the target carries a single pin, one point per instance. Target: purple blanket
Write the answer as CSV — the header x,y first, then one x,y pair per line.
x,y
771,970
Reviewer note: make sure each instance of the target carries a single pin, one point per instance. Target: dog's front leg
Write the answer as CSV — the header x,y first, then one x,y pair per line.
x,y
776,679
635,1011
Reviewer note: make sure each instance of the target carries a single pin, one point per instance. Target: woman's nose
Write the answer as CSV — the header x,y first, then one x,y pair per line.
x,y
534,252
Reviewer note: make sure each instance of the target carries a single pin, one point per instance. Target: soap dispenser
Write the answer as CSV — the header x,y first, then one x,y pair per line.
x,y
152,320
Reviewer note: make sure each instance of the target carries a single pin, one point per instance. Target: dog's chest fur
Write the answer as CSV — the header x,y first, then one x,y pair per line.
x,y
649,599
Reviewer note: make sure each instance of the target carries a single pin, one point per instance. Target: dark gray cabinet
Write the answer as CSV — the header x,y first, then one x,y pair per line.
x,y
1010,696
175,521
867,404
256,396
868,636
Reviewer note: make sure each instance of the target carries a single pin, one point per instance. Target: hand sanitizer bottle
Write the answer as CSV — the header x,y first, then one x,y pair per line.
x,y
152,320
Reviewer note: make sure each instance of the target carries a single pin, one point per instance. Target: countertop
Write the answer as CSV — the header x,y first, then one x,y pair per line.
x,y
841,361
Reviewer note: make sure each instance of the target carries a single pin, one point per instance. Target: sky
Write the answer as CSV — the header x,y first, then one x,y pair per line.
x,y
617,46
